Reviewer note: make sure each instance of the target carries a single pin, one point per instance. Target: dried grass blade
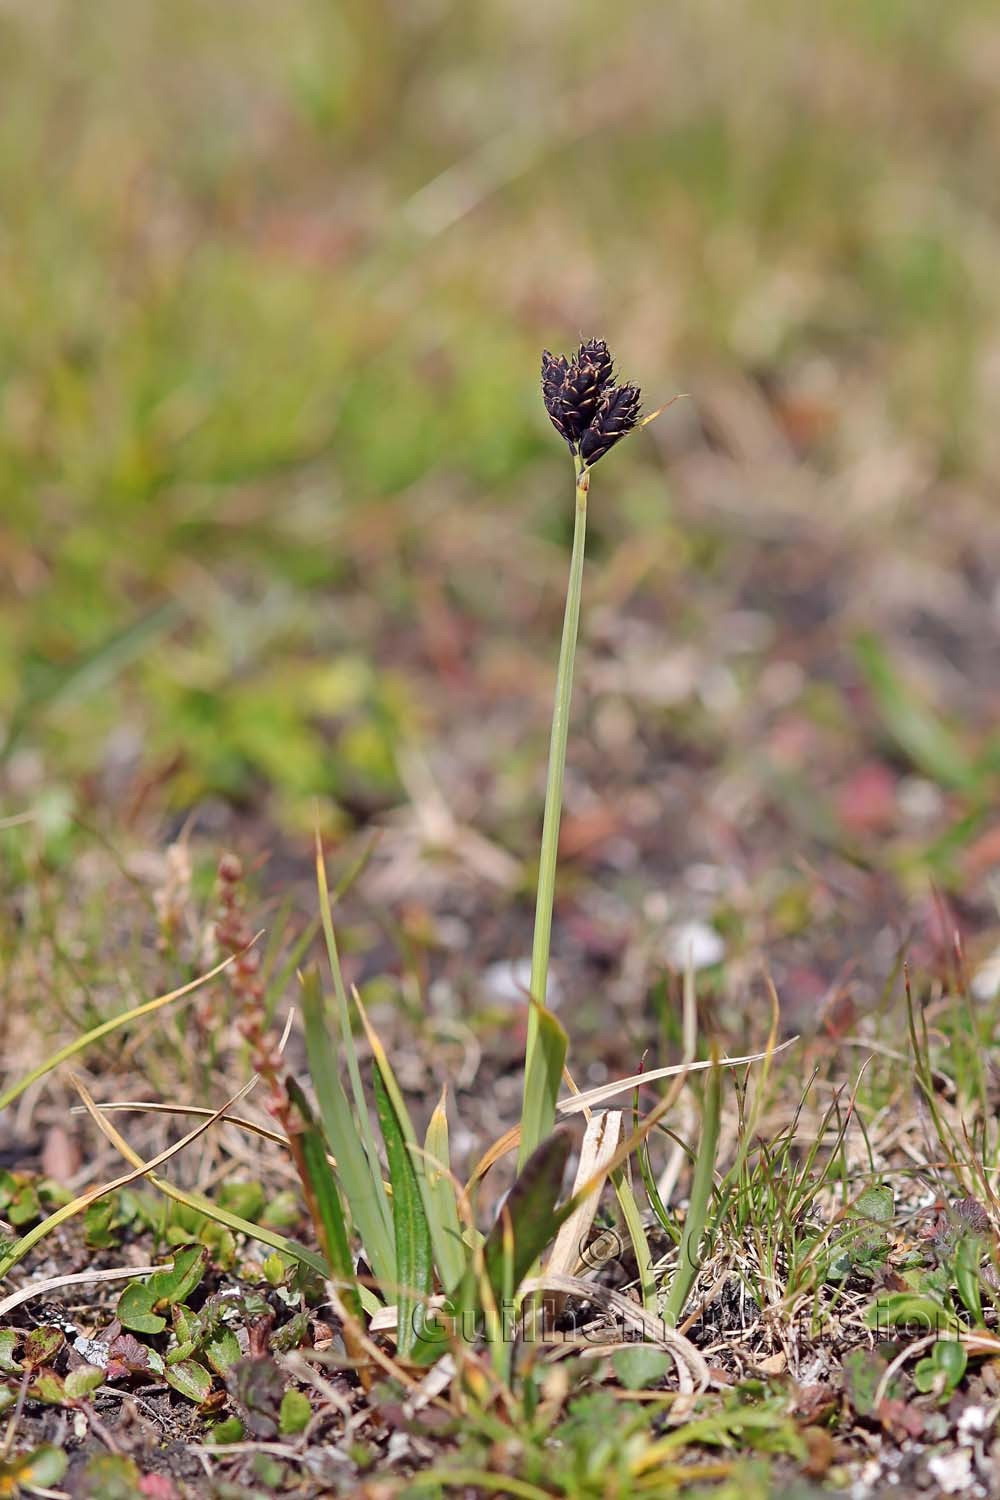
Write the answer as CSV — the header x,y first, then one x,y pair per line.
x,y
106,1027
77,1278
610,1090
232,1221
600,1142
69,1210
692,1369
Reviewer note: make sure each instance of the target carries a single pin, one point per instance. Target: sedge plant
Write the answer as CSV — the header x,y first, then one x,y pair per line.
x,y
592,414
400,1246
420,1238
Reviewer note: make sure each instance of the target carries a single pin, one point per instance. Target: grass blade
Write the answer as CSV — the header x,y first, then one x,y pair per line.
x,y
637,1234
414,1252
543,1070
322,1196
440,1231
291,1248
347,1036
530,1212
92,671
441,1194
275,977
38,1232
920,734
649,1181
688,1260
600,1142
605,1091
364,1192
527,1222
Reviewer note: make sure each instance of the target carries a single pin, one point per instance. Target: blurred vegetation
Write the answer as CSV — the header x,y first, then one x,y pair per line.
x,y
273,285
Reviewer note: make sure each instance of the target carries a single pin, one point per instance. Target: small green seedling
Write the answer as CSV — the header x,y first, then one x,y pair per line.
x,y
863,1242
141,1304
37,1471
943,1370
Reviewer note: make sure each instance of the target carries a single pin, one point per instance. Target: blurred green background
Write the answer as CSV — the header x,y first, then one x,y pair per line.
x,y
278,493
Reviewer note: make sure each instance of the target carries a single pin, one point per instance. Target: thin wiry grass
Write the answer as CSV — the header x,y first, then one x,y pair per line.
x,y
12,1254
106,1028
196,1201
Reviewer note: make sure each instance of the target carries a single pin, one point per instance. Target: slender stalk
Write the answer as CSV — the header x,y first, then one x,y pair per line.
x,y
622,1184
689,1255
538,1117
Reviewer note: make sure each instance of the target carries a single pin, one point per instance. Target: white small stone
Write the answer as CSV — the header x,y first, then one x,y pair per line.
x,y
985,982
93,1351
400,1446
919,799
973,1422
694,943
953,1471
442,997
871,1473
719,690
508,982
452,933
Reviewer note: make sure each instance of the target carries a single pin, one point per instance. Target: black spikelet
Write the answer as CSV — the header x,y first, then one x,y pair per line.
x,y
596,353
554,369
616,415
580,393
584,405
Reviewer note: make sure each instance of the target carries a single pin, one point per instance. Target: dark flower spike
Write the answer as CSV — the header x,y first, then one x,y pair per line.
x,y
596,353
617,414
581,391
584,405
554,368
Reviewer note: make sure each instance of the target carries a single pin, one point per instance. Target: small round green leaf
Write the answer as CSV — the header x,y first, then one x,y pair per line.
x,y
951,1358
81,1381
295,1413
640,1365
191,1379
135,1309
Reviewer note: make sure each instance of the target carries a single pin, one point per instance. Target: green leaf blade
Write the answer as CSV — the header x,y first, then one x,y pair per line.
x,y
320,1185
414,1250
363,1189
530,1209
543,1070
450,1248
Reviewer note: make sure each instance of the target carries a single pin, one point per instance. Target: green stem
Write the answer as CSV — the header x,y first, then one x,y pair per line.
x,y
637,1234
696,1219
537,1117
